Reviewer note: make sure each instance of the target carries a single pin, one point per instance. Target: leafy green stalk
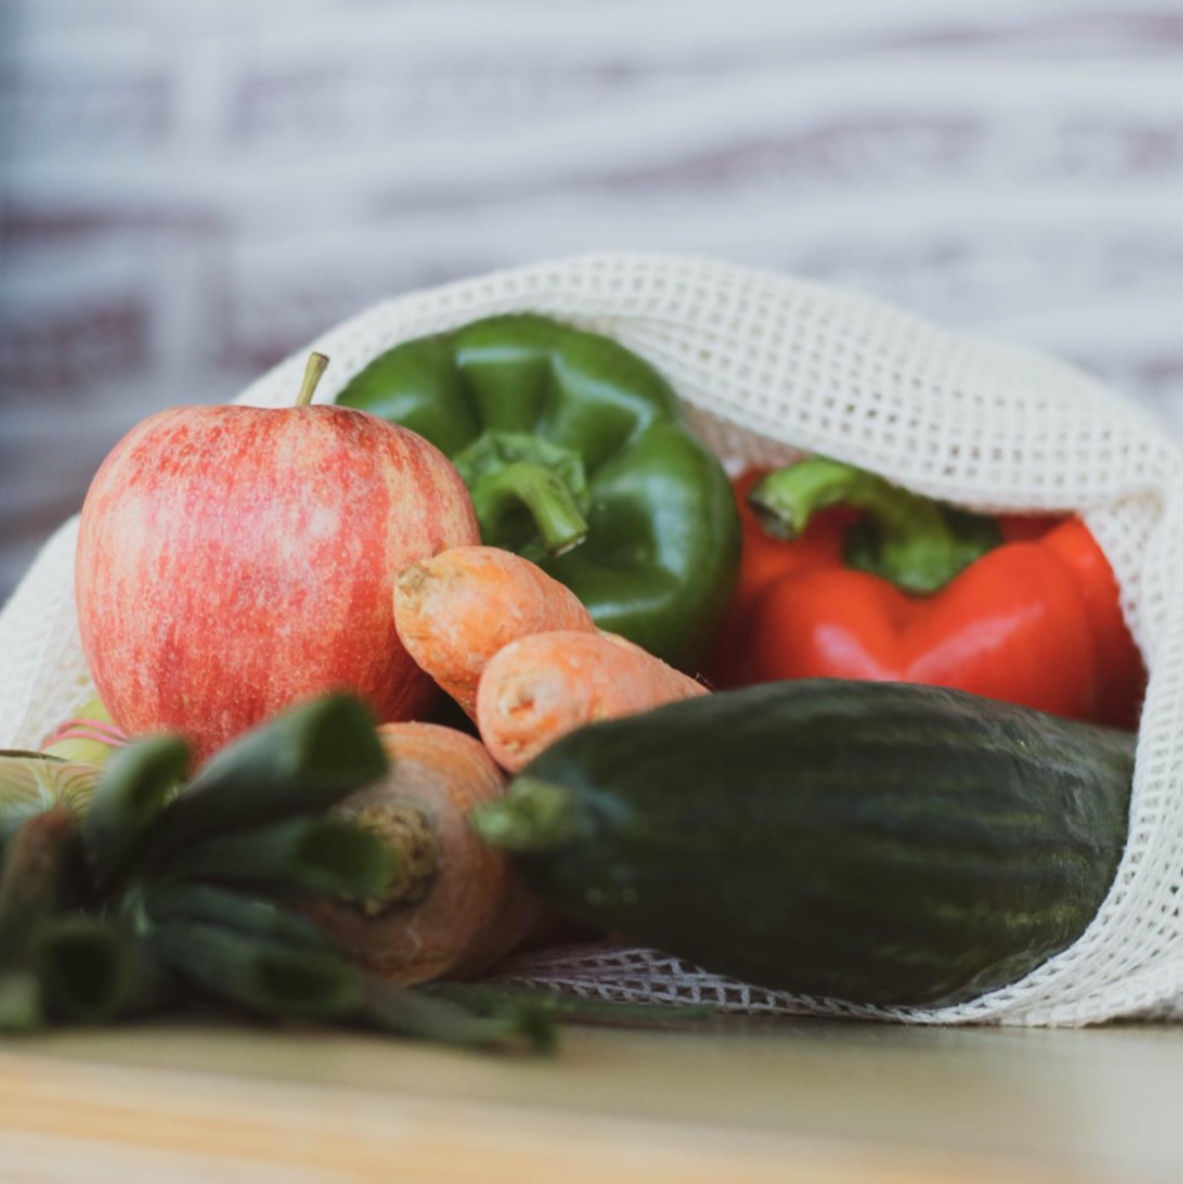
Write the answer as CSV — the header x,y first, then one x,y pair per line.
x,y
305,760
135,787
238,911
266,977
93,970
416,1013
164,892
324,855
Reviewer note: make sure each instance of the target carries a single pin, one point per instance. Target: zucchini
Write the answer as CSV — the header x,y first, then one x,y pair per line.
x,y
877,843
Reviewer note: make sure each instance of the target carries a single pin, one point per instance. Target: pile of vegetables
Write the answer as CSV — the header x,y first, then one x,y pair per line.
x,y
156,892
128,889
805,727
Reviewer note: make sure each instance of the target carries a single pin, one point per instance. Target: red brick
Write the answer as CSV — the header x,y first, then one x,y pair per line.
x,y
75,346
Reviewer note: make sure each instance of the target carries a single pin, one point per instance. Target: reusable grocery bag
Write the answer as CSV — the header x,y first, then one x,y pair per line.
x,y
768,367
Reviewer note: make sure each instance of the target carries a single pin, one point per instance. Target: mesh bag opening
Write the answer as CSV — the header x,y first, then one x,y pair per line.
x,y
769,366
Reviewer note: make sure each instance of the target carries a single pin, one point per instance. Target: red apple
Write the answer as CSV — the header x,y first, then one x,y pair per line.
x,y
234,560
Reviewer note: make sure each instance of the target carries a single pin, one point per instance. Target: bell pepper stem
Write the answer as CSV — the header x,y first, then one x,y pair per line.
x,y
541,493
914,542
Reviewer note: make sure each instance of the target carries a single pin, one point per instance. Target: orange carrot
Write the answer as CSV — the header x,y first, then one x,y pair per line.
x,y
455,906
455,610
540,687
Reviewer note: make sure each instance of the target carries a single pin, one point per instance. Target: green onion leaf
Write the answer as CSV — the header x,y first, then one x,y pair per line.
x,y
413,1012
322,855
250,915
134,788
95,971
266,977
304,760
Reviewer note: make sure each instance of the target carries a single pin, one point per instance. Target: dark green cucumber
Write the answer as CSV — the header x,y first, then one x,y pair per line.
x,y
877,843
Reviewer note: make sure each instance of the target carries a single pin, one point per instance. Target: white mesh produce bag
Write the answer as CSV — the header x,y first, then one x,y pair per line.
x,y
769,366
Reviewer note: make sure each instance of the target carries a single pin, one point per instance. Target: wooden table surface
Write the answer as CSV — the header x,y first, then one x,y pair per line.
x,y
813,1101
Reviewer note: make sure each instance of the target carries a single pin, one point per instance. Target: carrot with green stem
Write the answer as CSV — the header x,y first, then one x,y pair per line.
x,y
538,688
455,610
454,906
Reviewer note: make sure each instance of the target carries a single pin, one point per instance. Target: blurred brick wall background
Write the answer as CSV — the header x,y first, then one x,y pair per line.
x,y
191,190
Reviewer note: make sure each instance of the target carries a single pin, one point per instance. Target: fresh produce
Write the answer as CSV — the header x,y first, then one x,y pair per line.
x,y
32,782
908,590
91,736
540,687
234,560
906,814
577,456
39,861
455,610
63,772
166,895
871,842
455,906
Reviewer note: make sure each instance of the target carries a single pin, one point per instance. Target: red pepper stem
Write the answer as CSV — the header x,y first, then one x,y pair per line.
x,y
913,541
544,496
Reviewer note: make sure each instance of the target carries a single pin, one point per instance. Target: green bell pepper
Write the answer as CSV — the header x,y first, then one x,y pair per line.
x,y
577,456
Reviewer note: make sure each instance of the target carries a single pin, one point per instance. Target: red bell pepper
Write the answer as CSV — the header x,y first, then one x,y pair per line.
x,y
867,580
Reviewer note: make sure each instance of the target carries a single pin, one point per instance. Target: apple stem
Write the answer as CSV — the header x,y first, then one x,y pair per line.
x,y
312,374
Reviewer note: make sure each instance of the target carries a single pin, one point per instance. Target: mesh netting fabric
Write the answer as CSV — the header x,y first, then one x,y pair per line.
x,y
767,367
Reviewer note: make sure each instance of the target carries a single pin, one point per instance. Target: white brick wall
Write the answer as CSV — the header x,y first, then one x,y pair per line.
x,y
194,189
